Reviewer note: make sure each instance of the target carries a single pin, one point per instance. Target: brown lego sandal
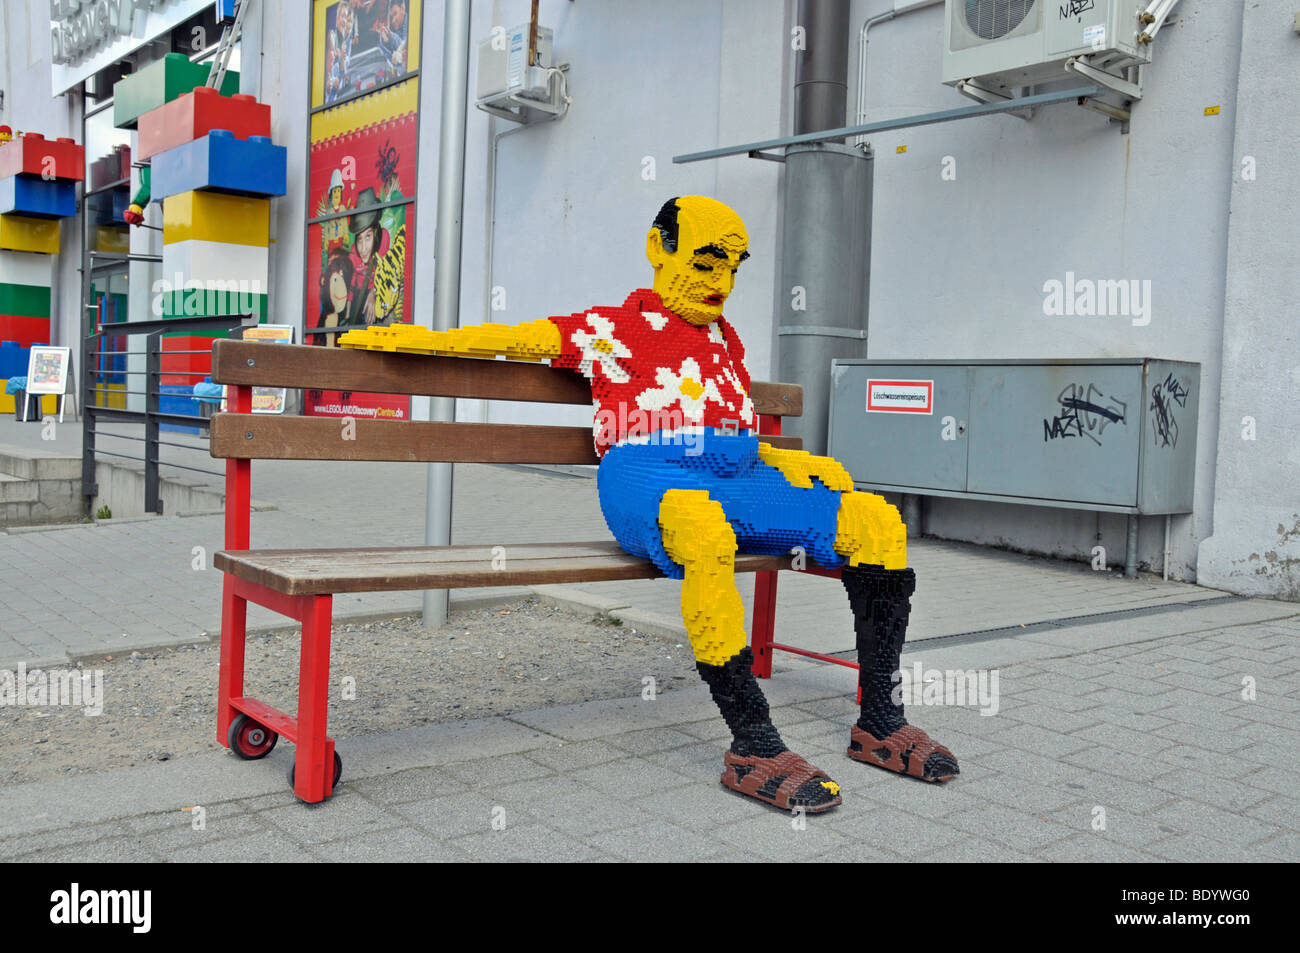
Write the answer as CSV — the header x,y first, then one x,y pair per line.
x,y
909,750
778,780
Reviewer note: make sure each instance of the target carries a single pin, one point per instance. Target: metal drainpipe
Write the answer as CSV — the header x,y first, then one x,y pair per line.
x,y
1131,549
447,243
826,239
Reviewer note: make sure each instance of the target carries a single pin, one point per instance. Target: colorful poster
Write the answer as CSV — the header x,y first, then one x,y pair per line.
x,y
47,370
361,224
267,400
362,44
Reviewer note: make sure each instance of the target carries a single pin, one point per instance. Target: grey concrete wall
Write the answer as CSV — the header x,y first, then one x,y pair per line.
x,y
570,202
1255,546
958,266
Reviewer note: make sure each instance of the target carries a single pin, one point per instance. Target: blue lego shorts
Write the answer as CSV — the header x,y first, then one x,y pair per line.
x,y
768,514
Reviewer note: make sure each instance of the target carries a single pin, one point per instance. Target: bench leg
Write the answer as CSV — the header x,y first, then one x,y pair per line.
x,y
230,680
314,759
764,623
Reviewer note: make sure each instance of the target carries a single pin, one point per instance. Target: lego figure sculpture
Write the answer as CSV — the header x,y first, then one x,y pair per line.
x,y
684,481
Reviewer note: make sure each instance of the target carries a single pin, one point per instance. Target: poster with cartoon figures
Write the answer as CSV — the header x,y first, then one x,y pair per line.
x,y
360,232
361,45
47,370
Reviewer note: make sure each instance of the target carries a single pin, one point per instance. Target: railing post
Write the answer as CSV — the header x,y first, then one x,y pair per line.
x,y
152,387
88,426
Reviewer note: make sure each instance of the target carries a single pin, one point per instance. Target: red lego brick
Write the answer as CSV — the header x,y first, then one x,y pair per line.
x,y
25,330
32,153
186,368
195,114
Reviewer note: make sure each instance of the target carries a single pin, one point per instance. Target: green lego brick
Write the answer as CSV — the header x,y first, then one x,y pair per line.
x,y
198,303
31,301
160,82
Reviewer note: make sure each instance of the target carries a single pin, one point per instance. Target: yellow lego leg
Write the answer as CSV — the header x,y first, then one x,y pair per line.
x,y
758,764
870,532
697,535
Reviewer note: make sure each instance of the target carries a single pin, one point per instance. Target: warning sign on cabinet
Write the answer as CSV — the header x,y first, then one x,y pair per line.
x,y
900,397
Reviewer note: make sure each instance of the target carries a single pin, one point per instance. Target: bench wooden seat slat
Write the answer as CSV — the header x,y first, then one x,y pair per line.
x,y
384,569
250,363
270,437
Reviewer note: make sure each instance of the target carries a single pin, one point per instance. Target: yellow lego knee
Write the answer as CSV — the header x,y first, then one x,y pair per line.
x,y
696,534
695,527
870,532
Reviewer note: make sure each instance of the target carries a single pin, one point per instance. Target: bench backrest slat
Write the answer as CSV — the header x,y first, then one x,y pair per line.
x,y
269,437
262,364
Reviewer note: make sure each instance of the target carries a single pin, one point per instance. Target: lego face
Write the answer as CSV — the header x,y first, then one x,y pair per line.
x,y
336,195
694,280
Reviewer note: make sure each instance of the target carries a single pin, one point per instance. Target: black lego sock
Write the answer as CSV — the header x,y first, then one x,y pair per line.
x,y
735,691
880,599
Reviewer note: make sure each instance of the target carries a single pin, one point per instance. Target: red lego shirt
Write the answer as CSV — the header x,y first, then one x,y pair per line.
x,y
653,372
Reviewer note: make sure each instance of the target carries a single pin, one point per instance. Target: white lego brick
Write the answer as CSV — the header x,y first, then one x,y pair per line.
x,y
216,263
26,268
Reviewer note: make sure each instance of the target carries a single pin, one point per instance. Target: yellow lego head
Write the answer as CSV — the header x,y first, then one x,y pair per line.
x,y
695,246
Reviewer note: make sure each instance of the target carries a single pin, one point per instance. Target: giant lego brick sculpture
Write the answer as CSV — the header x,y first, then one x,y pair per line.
x,y
685,481
215,170
38,187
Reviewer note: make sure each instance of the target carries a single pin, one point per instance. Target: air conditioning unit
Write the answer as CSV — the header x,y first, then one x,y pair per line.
x,y
509,87
1004,44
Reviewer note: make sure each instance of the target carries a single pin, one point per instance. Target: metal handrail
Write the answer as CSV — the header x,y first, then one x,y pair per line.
x,y
151,416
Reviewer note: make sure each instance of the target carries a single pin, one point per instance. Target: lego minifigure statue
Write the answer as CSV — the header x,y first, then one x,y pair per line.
x,y
685,482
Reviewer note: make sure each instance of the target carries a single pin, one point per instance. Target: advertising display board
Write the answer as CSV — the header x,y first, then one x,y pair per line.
x,y
364,135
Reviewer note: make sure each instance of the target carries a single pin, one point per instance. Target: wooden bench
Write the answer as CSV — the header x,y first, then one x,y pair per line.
x,y
300,583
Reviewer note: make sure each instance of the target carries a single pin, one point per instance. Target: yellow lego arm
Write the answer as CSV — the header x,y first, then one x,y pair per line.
x,y
531,341
800,466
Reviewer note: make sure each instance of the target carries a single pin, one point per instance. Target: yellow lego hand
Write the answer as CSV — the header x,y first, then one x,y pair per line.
x,y
532,341
800,467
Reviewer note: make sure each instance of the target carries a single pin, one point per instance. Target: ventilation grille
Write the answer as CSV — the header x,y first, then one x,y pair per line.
x,y
992,19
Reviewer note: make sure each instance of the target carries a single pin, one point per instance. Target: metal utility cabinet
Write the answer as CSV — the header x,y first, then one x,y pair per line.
x,y
1114,435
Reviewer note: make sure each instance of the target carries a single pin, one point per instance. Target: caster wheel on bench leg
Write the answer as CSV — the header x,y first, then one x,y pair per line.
x,y
338,771
249,739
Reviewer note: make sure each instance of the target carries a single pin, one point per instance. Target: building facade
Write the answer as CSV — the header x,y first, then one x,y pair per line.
x,y
1194,202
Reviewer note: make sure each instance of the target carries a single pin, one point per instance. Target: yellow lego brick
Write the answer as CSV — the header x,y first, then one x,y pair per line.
x,y
20,233
697,535
112,238
217,217
870,532
112,396
531,341
800,466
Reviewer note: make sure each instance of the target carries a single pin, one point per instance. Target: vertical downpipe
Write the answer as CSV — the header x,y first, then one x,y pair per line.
x,y
826,240
447,245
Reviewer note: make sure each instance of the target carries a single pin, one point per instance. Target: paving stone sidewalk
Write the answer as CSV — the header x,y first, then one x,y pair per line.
x,y
122,585
1133,739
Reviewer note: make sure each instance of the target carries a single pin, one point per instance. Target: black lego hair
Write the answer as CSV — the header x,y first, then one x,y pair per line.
x,y
666,222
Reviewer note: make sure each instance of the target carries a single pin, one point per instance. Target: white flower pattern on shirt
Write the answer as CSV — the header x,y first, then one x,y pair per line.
x,y
687,386
601,349
643,359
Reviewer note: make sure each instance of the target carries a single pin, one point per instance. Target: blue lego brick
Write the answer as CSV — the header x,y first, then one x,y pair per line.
x,y
13,359
219,161
177,399
31,195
